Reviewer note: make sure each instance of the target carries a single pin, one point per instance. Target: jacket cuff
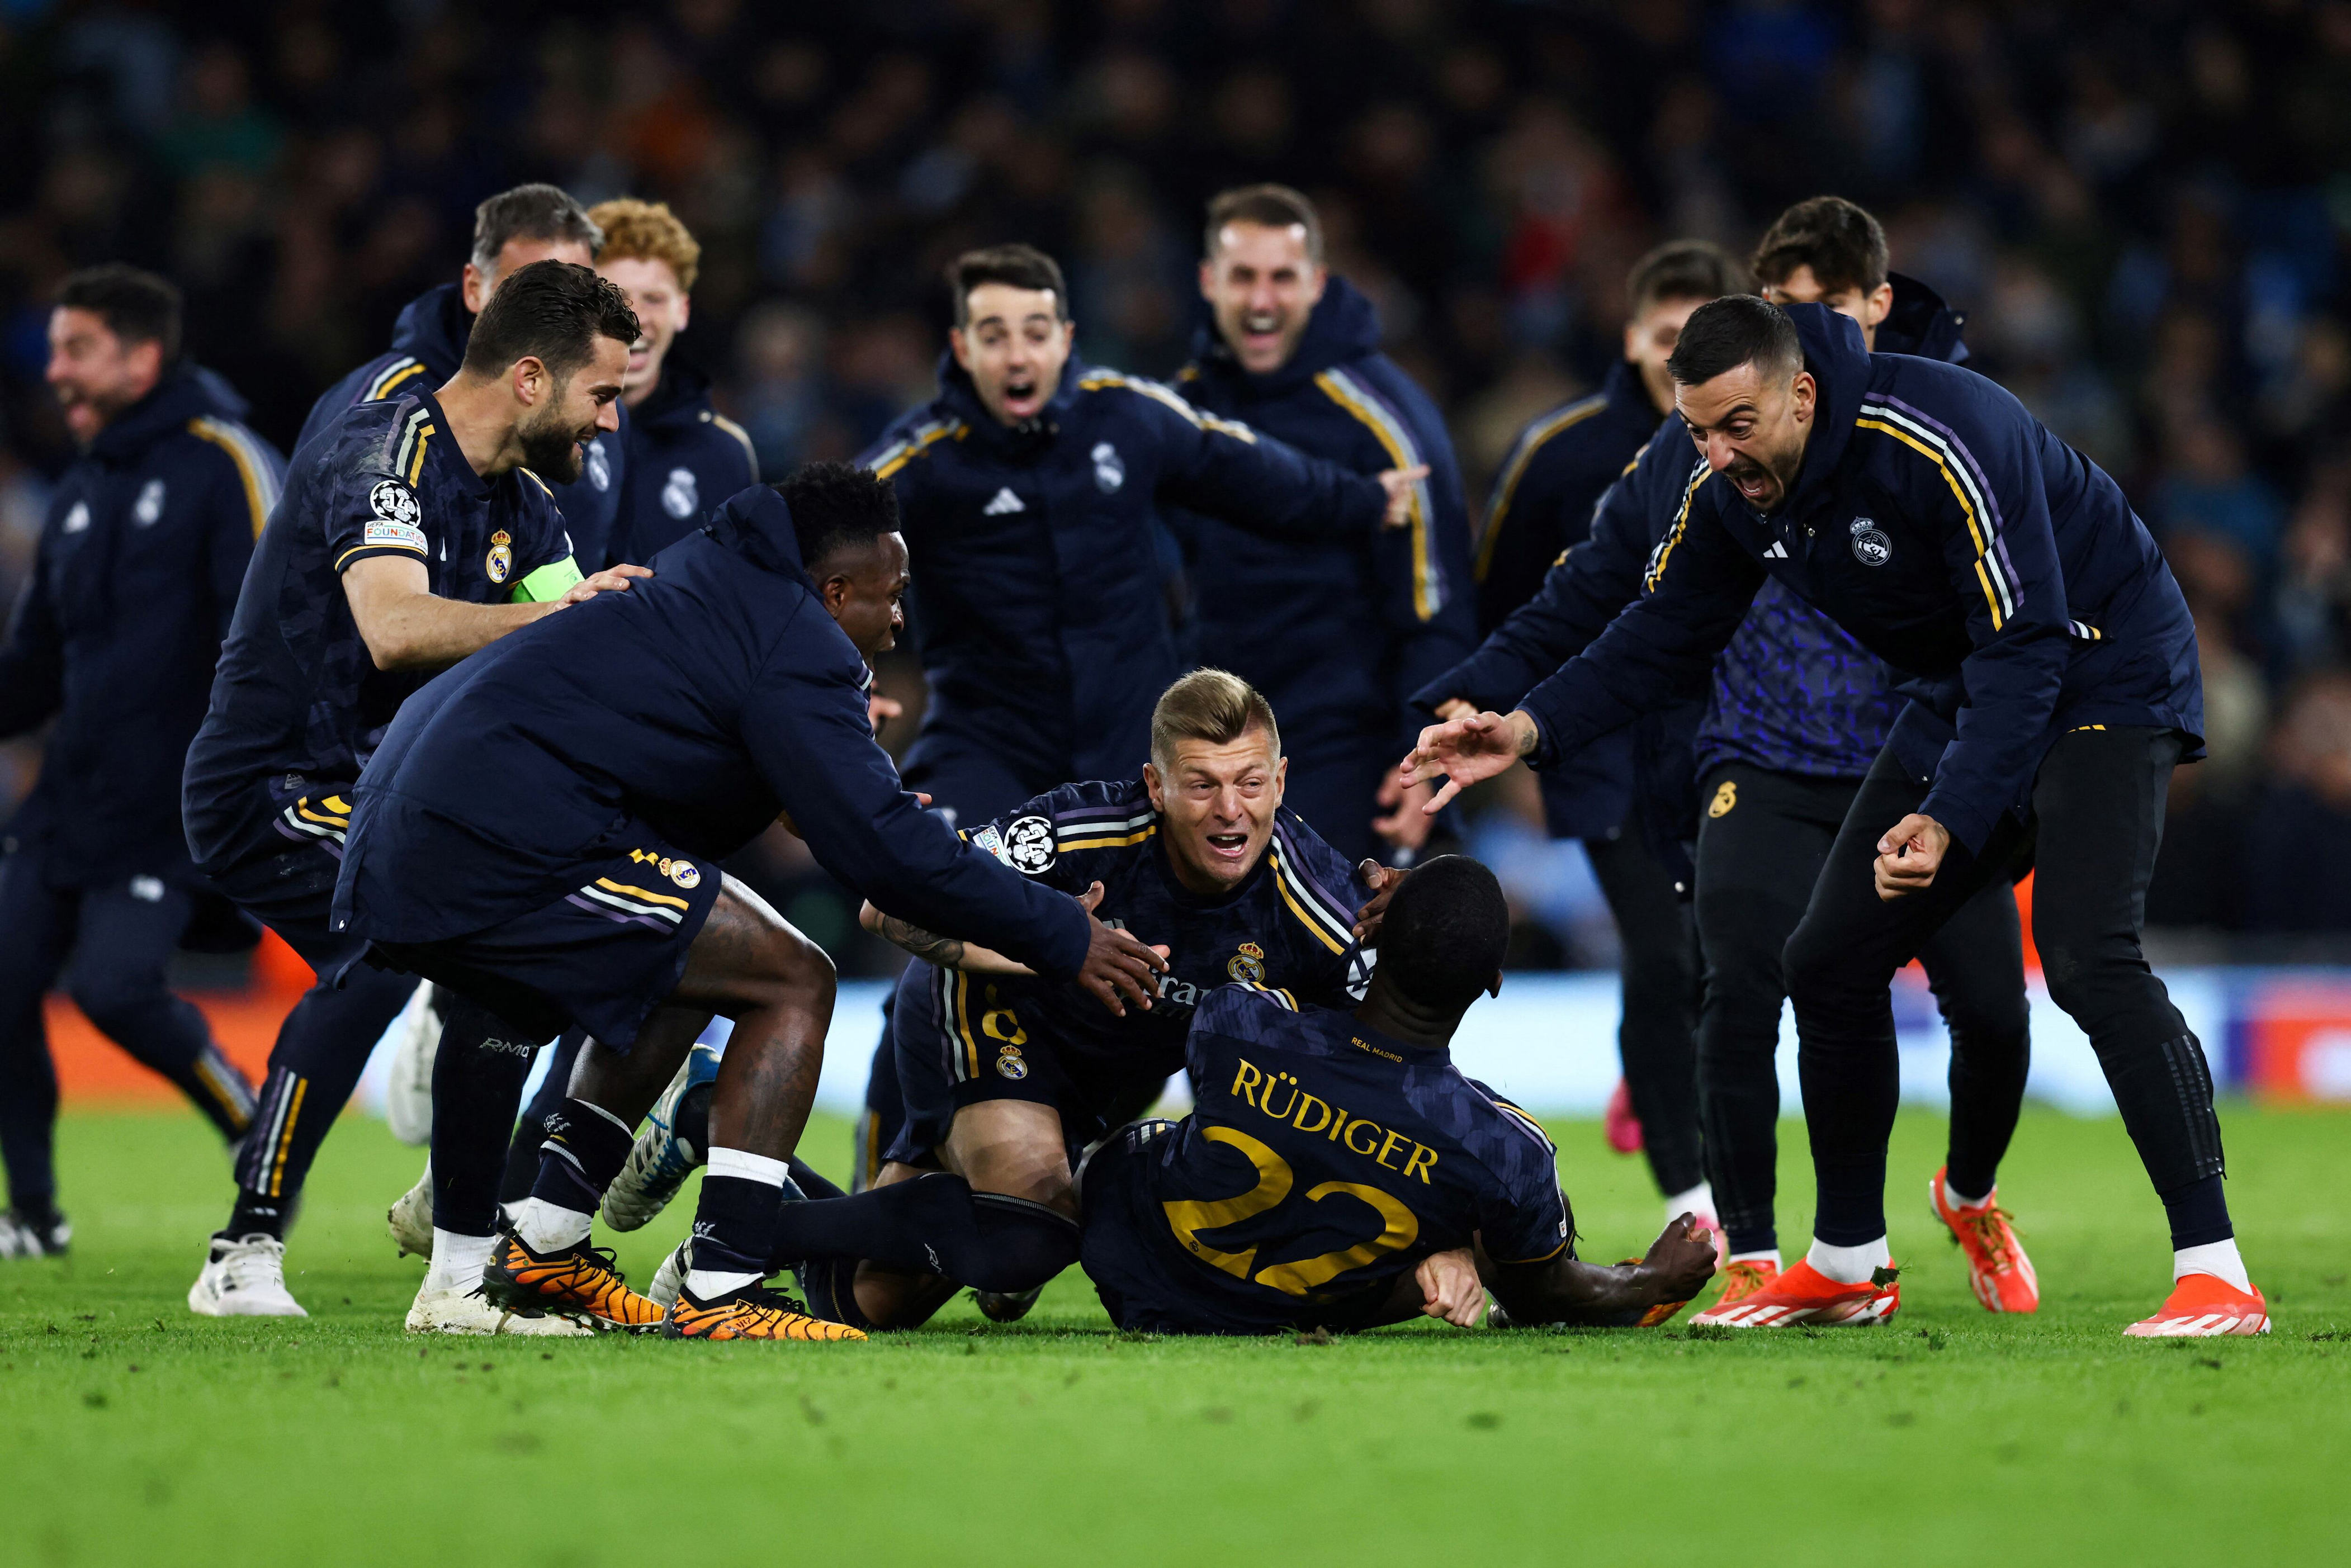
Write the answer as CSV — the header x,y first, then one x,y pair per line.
x,y
1067,942
1967,825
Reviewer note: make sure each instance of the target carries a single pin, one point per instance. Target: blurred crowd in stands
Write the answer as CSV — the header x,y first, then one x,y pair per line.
x,y
2145,209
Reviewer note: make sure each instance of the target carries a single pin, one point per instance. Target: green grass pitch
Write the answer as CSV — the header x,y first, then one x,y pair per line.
x,y
135,1432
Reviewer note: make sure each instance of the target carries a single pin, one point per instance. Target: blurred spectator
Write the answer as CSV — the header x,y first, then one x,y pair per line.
x,y
2141,209
2297,872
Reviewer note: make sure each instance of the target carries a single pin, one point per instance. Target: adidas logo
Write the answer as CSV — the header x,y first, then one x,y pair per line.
x,y
1005,501
1777,552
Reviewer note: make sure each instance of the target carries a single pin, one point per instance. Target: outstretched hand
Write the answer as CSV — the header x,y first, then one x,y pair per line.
x,y
1384,881
1399,482
612,580
1118,969
1462,751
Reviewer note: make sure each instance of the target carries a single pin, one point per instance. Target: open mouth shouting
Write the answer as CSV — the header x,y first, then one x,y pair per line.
x,y
1232,848
1753,482
1023,394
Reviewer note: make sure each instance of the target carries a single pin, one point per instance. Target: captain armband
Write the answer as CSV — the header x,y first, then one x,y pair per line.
x,y
550,581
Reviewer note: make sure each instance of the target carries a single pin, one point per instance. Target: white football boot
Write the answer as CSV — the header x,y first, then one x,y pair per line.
x,y
408,1087
660,1161
451,1309
410,1218
670,1278
244,1279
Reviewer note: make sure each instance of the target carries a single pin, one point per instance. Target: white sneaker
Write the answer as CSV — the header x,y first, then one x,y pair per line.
x,y
410,1218
244,1279
660,1161
408,1088
670,1278
454,1311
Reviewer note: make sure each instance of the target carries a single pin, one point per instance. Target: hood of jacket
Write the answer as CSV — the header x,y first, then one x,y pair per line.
x,y
1920,323
1344,326
678,400
434,327
186,392
757,525
1840,368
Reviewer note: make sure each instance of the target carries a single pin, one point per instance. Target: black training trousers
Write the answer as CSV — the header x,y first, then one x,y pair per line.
x,y
1655,1037
1761,847
2095,822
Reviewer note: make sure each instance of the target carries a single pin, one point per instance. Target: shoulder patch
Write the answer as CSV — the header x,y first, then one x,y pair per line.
x,y
989,839
392,514
1029,846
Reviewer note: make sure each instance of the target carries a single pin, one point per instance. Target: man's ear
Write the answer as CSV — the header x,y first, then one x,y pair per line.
x,y
474,289
1153,787
834,590
530,381
957,346
1806,392
1879,303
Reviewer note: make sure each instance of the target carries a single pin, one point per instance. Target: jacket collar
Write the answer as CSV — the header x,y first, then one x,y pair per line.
x,y
1840,367
1344,326
1624,388
958,397
757,525
678,399
1920,323
434,327
186,391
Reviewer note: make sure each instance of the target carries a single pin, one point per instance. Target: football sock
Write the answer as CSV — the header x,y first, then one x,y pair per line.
x,y
2198,1213
1849,1265
548,1228
2218,1259
477,1079
522,1154
585,1148
458,1261
935,1224
1698,1201
804,1176
735,1224
1953,1195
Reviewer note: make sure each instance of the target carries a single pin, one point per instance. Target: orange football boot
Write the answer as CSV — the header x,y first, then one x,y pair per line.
x,y
1804,1295
584,1284
2204,1306
753,1313
1741,1281
1998,1270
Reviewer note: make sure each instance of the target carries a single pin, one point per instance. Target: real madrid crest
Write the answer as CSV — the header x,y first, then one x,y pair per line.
x,y
1009,1065
1870,544
1247,965
501,559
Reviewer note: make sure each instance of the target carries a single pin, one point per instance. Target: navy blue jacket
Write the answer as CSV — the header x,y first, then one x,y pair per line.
x,y
120,622
1038,594
1336,632
684,459
1557,470
1958,539
297,693
703,701
428,344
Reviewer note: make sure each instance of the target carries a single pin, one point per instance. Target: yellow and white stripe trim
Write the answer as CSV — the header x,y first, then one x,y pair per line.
x,y
1404,452
391,376
1514,467
898,454
2000,590
1097,381
1665,550
254,469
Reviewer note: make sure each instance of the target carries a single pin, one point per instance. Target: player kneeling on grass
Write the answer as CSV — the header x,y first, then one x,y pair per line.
x,y
539,829
1005,1078
1339,1171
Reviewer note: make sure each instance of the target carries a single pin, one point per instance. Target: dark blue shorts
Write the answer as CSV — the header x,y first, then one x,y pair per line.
x,y
285,877
954,1047
601,956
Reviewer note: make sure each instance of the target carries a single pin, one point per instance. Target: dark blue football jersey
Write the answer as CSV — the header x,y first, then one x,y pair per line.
x,y
1290,923
1322,1160
297,691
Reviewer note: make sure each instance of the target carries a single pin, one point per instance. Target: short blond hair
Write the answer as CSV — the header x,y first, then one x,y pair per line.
x,y
1214,705
647,231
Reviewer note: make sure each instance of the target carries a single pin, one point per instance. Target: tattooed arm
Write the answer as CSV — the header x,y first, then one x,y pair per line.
x,y
946,952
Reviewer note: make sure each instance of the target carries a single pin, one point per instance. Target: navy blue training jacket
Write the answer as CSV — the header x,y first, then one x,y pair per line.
x,y
684,460
702,702
1039,597
120,624
1557,470
1958,539
1336,632
428,344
